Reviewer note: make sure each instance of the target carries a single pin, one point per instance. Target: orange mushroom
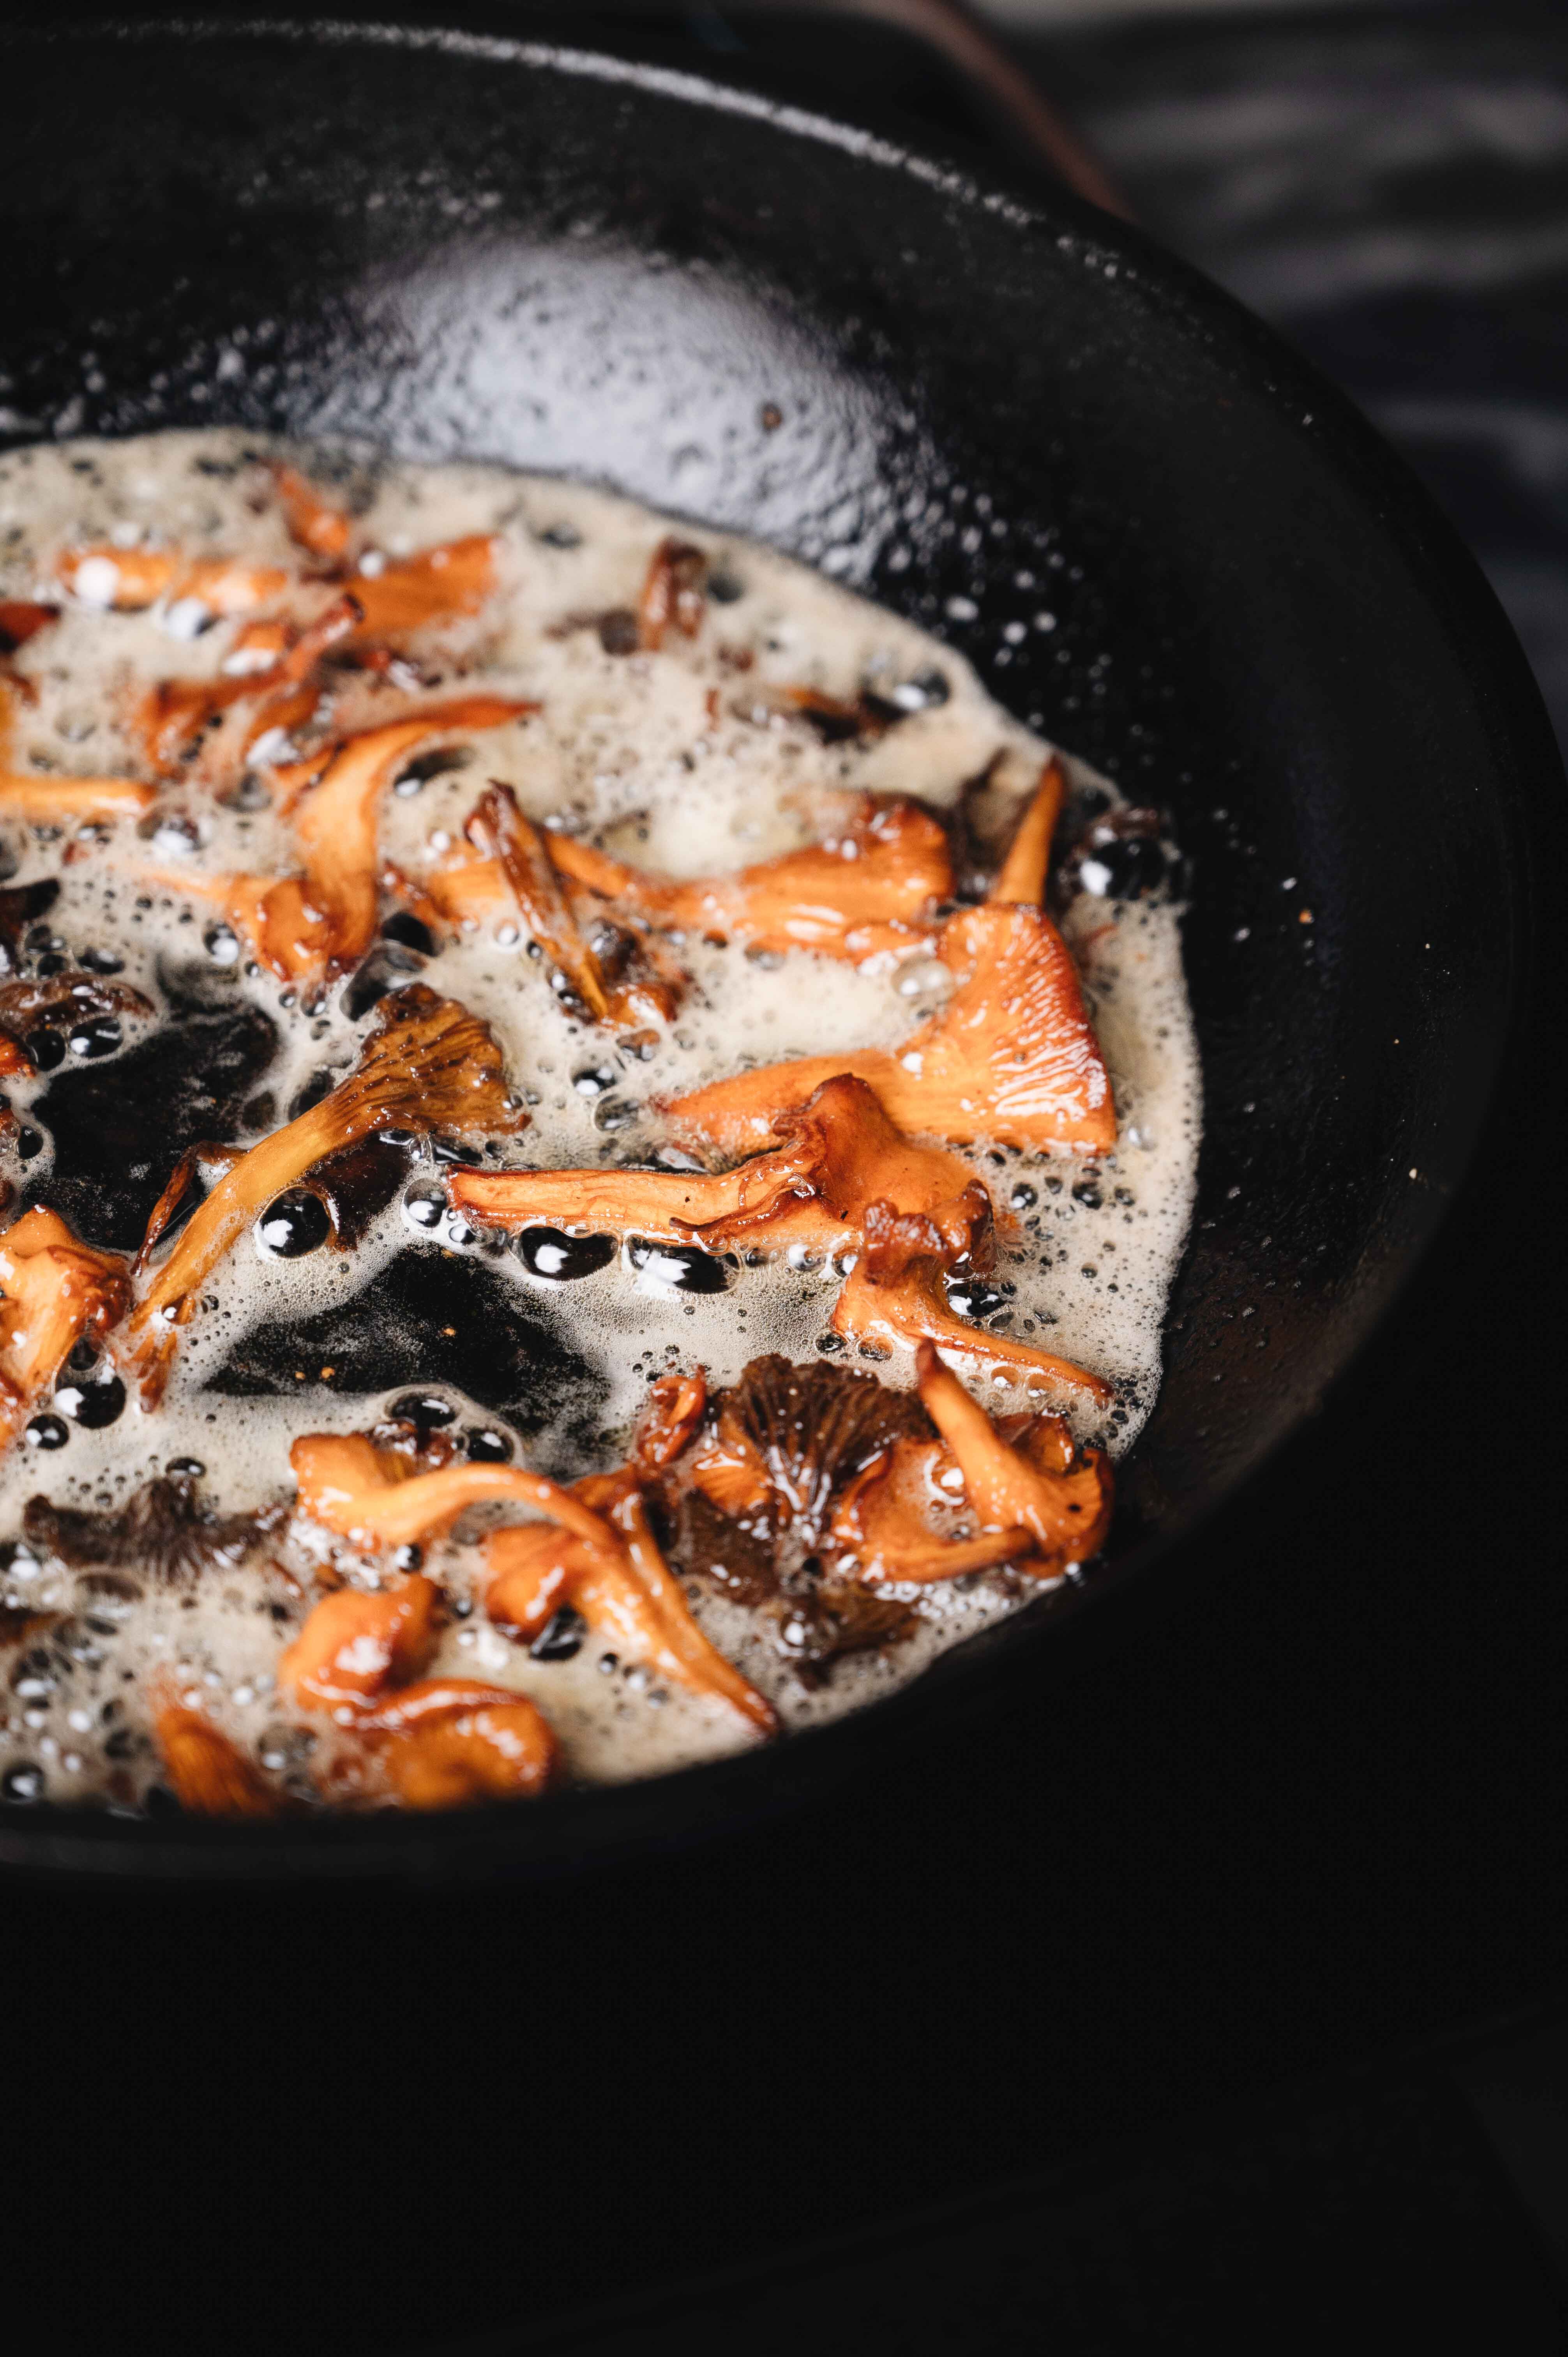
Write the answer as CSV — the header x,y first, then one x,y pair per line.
x,y
1021,877
865,889
43,800
314,523
888,1521
840,1153
1011,1058
628,1592
206,1773
54,1293
447,1742
894,1297
526,860
374,1499
624,1590
672,593
413,592
128,580
1038,1479
310,927
428,1064
356,1642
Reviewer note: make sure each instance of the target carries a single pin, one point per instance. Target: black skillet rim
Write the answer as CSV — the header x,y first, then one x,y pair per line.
x,y
575,1832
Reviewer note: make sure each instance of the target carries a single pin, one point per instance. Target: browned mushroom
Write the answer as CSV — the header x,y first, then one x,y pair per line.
x,y
525,857
1011,1058
308,929
428,1064
447,1742
356,1643
867,888
811,1484
1021,877
54,1293
840,1153
314,523
126,580
208,1773
672,593
43,800
895,1297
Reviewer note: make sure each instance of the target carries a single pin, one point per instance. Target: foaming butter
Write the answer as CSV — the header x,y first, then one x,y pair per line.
x,y
686,760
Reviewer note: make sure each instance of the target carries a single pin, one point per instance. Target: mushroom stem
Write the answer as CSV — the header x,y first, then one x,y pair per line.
x,y
1023,874
46,800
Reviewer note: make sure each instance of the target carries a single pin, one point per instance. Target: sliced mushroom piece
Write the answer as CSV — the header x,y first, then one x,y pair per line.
x,y
428,1064
886,1523
626,1591
1010,1058
128,580
54,1293
443,584
865,889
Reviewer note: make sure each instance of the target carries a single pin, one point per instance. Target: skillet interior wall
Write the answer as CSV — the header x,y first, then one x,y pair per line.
x,y
453,255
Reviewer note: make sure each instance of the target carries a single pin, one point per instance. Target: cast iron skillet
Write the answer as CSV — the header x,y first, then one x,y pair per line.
x,y
467,247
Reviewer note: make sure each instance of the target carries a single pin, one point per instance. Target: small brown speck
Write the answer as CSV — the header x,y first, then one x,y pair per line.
x,y
300,1374
1305,918
772,417
449,1329
328,1373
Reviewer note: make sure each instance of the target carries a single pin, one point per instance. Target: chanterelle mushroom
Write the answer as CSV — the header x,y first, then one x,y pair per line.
x,y
446,1742
840,1153
526,860
312,926
54,1293
1022,876
895,1297
428,1064
812,1483
822,1475
869,887
208,1773
44,800
1011,1058
595,1550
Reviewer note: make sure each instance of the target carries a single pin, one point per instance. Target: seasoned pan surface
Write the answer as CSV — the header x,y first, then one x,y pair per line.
x,y
947,396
